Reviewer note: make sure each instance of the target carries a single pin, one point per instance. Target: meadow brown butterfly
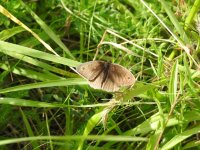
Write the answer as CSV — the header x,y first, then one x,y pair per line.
x,y
106,76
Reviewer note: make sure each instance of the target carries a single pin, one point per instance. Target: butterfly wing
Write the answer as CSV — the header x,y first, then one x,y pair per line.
x,y
109,85
97,83
117,76
91,70
120,75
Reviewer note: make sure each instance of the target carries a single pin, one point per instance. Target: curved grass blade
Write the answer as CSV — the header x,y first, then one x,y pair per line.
x,y
173,83
28,103
14,19
175,22
75,137
40,64
6,34
192,13
48,31
52,83
44,76
180,137
5,46
35,144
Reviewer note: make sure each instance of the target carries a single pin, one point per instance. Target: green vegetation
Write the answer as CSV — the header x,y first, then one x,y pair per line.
x,y
46,105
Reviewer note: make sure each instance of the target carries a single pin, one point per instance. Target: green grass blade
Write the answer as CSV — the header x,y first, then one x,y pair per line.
x,y
38,104
75,137
192,145
173,83
175,22
6,34
14,19
52,83
152,123
92,122
33,42
180,137
44,76
41,64
35,144
192,13
139,88
28,103
5,46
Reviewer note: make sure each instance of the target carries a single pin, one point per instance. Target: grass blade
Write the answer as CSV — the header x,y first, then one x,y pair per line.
x,y
173,83
5,46
180,137
52,83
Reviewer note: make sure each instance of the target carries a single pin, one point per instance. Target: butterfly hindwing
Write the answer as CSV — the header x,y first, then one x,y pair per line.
x,y
120,75
110,85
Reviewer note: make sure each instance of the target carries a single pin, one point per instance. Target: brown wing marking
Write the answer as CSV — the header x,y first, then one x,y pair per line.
x,y
97,83
109,85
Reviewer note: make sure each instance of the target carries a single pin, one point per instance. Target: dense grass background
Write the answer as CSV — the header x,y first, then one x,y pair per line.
x,y
46,105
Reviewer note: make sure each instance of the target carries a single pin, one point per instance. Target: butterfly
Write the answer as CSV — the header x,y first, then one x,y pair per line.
x,y
106,76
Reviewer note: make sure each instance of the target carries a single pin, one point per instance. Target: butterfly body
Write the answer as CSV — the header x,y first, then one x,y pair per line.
x,y
105,71
106,76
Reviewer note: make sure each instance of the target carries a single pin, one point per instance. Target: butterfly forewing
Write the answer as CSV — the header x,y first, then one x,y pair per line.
x,y
97,83
90,70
